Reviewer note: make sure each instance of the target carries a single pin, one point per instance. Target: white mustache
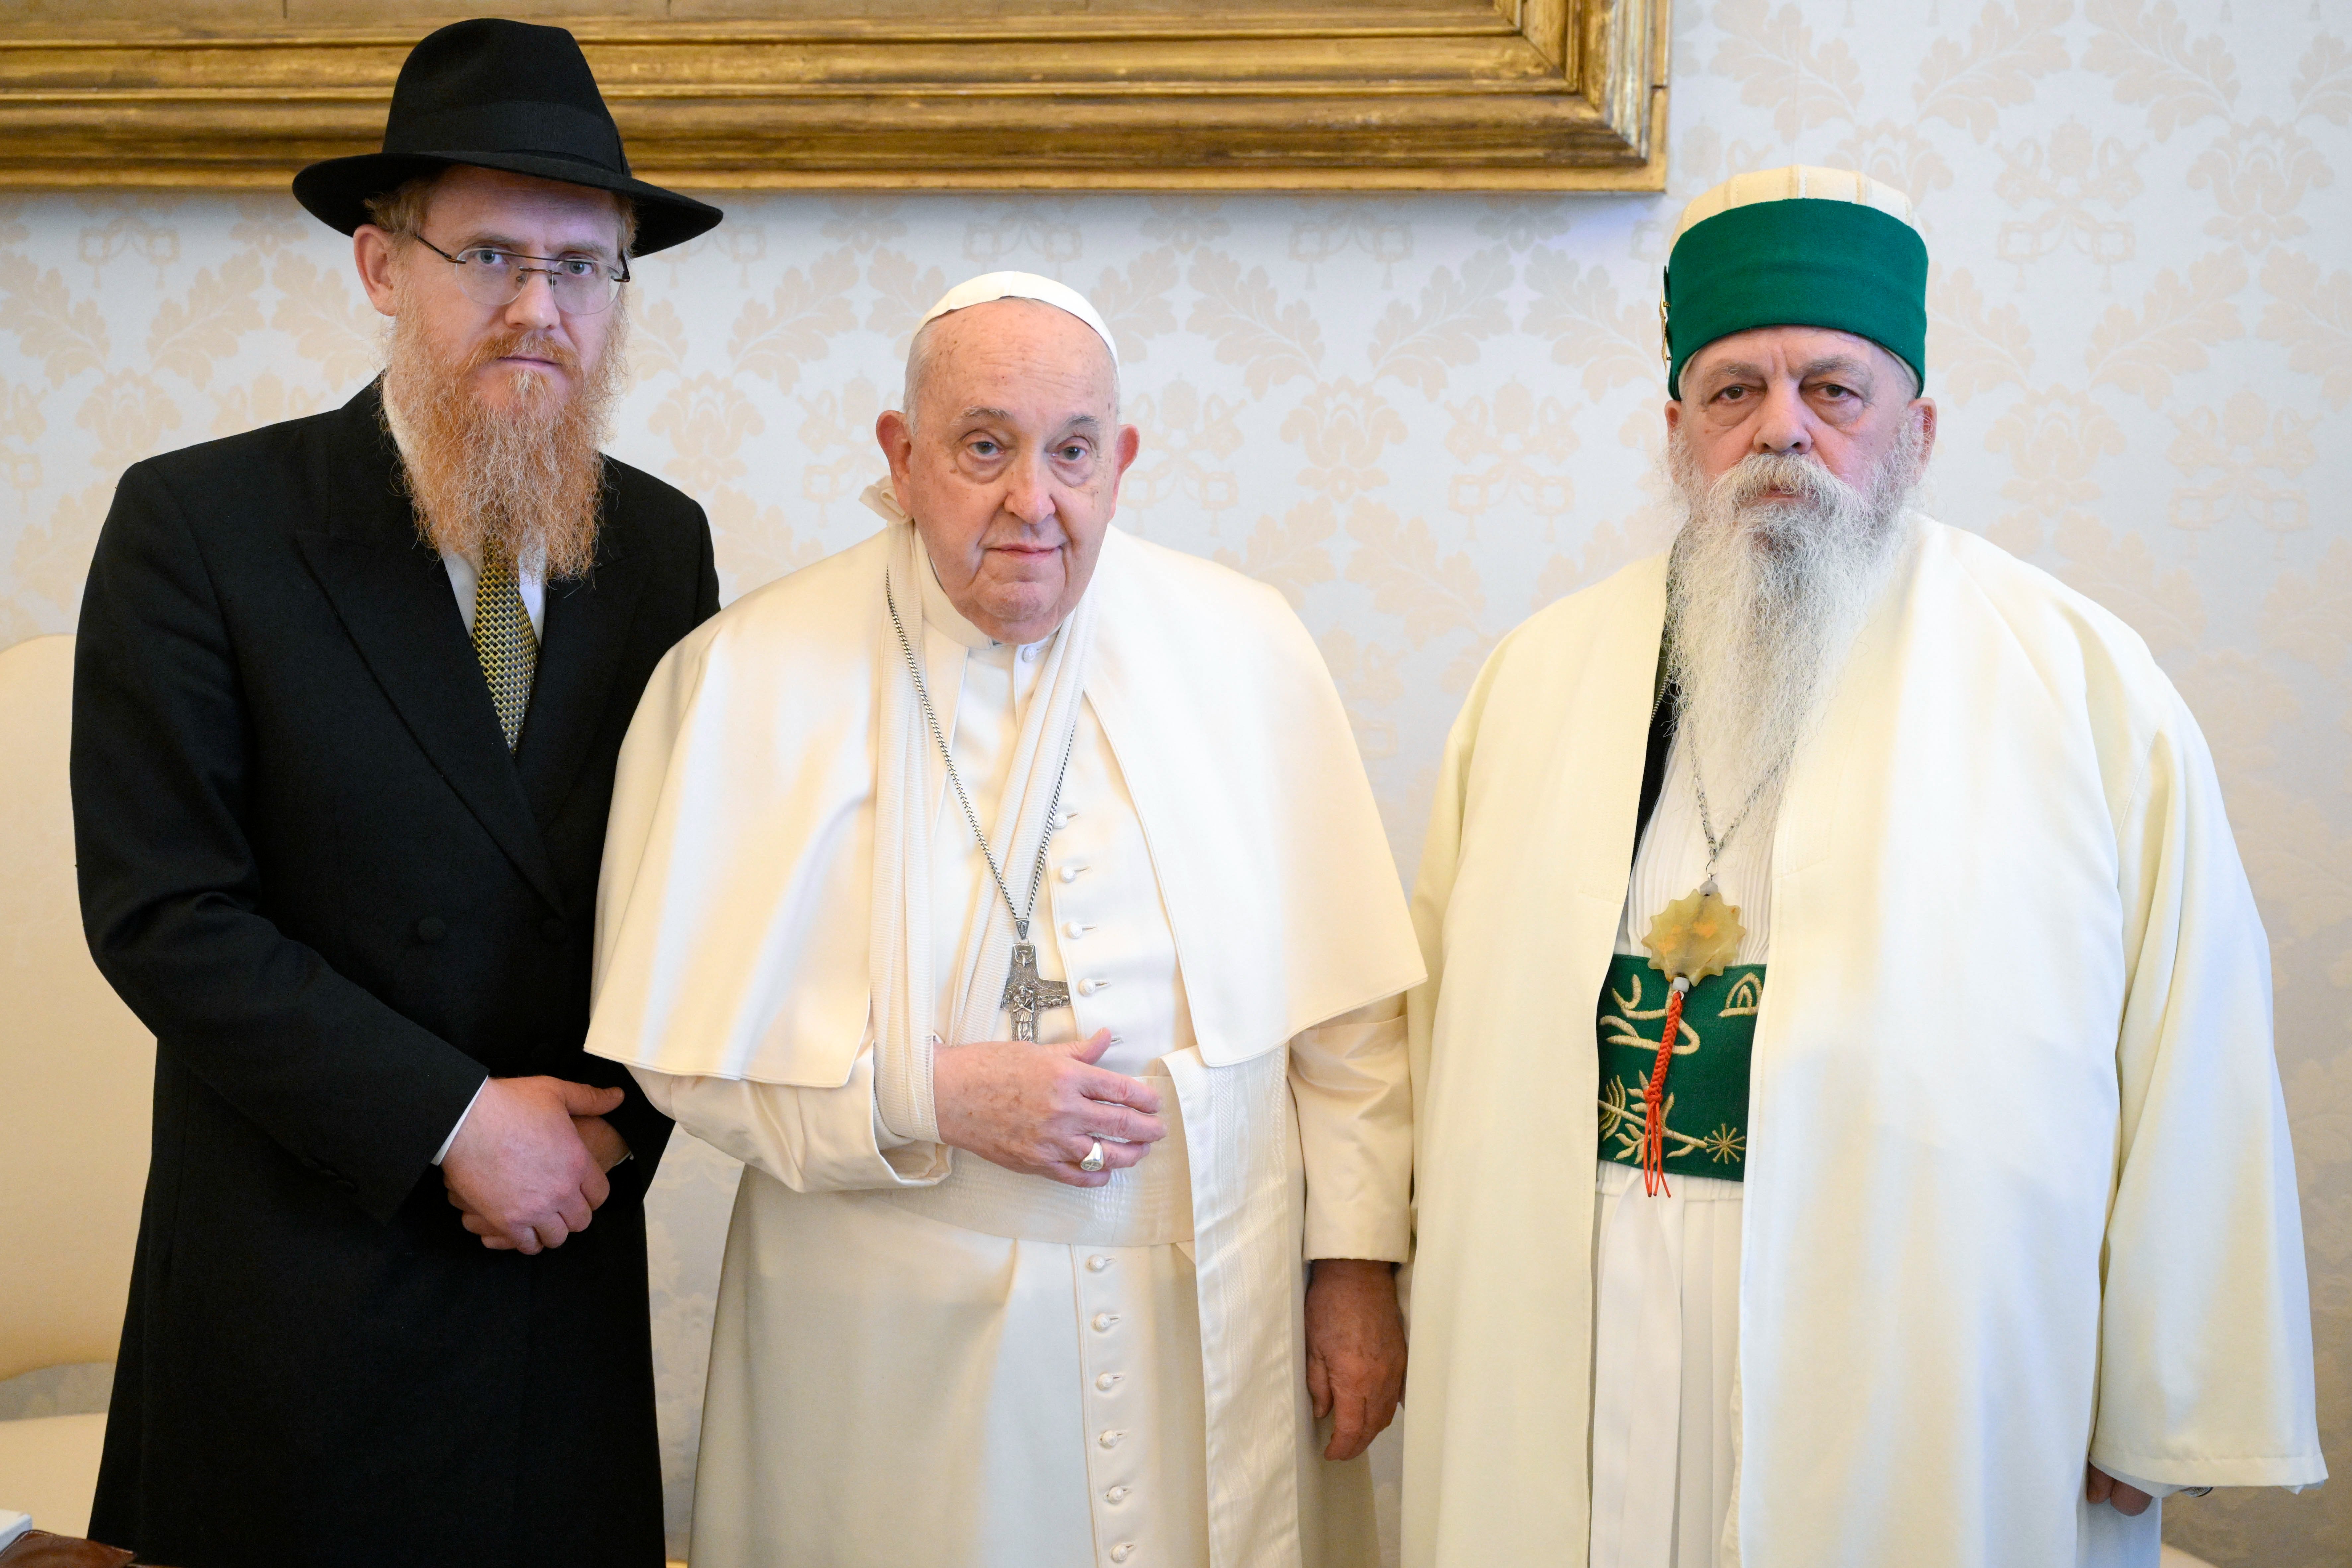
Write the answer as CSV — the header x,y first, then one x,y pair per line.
x,y
1760,474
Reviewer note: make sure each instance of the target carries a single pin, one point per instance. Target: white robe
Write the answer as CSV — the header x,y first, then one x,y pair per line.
x,y
919,1356
2018,1189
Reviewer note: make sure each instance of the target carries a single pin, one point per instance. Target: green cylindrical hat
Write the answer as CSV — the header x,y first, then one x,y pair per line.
x,y
1797,246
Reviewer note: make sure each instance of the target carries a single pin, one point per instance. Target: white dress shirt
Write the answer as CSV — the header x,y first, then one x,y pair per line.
x,y
530,574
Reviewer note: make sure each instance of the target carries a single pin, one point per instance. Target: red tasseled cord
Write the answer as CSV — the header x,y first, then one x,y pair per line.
x,y
1654,1120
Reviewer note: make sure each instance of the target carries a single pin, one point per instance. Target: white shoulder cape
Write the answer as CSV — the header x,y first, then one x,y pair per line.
x,y
2019,1188
732,917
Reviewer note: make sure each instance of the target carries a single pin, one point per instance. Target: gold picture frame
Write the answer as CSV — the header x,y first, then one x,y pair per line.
x,y
1397,95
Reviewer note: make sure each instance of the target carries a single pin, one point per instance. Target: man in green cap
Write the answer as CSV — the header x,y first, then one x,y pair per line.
x,y
1910,1182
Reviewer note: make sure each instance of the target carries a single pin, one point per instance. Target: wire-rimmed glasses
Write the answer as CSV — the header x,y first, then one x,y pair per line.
x,y
581,285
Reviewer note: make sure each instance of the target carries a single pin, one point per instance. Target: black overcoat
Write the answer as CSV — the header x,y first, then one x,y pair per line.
x,y
310,865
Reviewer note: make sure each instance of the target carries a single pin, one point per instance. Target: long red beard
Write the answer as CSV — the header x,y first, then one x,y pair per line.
x,y
529,478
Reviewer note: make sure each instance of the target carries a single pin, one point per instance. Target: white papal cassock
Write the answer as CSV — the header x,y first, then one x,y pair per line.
x,y
920,1357
2018,1189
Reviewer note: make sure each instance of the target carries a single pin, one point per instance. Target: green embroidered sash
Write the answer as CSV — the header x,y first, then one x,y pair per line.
x,y
1707,1087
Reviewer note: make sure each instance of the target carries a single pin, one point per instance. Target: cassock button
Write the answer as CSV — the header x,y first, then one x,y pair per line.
x,y
1109,1439
1097,1263
1074,930
1117,1494
1088,987
552,928
1107,1382
1123,1552
432,929
1103,1321
1070,873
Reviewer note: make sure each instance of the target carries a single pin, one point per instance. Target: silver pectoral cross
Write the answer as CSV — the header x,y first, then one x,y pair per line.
x,y
1027,993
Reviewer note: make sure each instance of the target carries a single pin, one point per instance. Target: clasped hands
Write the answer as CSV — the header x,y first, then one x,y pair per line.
x,y
528,1167
1040,1109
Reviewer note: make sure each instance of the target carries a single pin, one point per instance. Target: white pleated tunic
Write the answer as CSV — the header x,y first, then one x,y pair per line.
x,y
1665,1269
1056,1413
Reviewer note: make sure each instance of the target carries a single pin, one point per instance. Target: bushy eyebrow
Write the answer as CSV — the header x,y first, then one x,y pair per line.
x,y
1847,365
1732,370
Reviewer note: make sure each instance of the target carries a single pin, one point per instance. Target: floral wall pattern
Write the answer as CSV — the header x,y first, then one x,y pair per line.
x,y
1422,417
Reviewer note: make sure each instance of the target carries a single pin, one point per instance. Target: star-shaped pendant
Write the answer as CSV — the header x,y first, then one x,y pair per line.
x,y
1696,935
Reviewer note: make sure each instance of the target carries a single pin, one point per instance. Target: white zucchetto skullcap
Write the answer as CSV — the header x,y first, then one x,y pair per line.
x,y
1796,182
991,286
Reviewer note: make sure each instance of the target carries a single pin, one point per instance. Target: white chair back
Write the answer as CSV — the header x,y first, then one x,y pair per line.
x,y
76,1068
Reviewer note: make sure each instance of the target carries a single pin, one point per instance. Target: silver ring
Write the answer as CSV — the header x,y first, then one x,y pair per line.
x,y
1094,1160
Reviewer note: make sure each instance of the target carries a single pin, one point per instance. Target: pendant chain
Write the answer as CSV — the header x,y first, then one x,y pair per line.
x,y
1053,806
1714,846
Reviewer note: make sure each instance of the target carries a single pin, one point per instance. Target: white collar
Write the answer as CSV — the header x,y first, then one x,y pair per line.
x,y
940,610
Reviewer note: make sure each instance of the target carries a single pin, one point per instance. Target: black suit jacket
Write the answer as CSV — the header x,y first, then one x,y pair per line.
x,y
310,865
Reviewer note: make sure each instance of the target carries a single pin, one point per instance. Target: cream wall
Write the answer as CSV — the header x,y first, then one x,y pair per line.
x,y
1422,417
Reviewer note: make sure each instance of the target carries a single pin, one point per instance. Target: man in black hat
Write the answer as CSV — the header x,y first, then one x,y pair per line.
x,y
346,701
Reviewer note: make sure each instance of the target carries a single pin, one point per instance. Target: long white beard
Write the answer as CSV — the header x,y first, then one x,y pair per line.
x,y
1763,601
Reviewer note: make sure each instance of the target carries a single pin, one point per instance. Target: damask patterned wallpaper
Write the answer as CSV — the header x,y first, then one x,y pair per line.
x,y
1423,418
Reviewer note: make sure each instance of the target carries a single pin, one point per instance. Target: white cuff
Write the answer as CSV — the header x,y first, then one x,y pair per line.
x,y
443,1153
905,1112
2161,1489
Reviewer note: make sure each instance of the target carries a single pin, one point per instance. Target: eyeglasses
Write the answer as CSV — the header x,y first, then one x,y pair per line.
x,y
581,285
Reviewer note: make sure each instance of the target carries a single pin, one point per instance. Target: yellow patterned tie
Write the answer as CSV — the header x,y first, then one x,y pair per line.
x,y
503,640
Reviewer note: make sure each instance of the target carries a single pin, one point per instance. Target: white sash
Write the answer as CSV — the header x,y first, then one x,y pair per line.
x,y
908,782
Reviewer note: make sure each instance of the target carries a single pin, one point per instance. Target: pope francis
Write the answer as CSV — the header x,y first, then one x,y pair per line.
x,y
1006,893
1914,1186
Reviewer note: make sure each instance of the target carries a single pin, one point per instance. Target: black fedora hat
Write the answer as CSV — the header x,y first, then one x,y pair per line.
x,y
499,95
